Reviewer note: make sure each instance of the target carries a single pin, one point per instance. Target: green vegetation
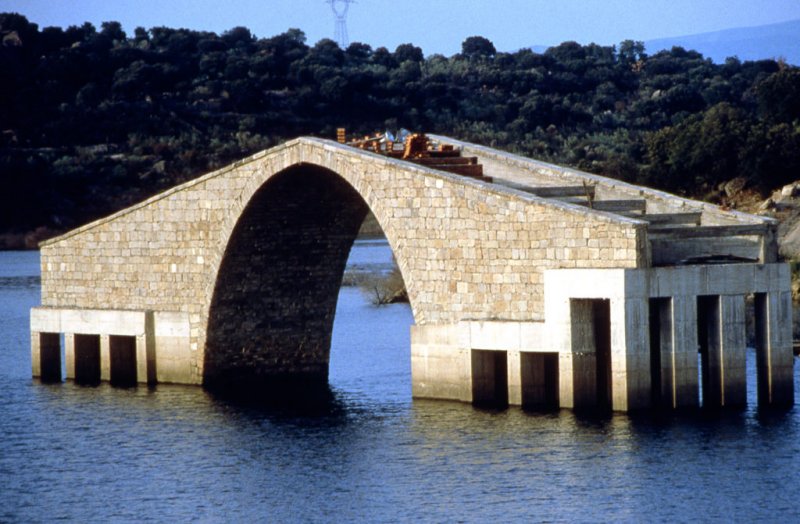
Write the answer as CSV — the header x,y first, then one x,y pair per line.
x,y
94,120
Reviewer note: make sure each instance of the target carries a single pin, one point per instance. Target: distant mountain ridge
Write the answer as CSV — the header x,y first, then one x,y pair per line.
x,y
747,43
773,41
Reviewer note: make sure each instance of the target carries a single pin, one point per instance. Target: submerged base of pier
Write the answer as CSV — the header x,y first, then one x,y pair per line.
x,y
613,339
622,340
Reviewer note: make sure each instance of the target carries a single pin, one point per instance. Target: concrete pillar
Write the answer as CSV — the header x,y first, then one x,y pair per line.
x,y
105,358
734,348
148,348
721,320
69,355
559,332
514,378
566,382
630,354
36,355
775,359
141,359
682,362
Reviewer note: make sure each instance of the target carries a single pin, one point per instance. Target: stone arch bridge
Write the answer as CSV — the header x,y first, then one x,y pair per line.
x,y
529,283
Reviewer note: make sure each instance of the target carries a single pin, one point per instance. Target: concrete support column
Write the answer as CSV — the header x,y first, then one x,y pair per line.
x,y
69,355
105,358
734,348
559,334
36,355
566,384
682,371
141,360
630,354
514,378
774,349
721,329
146,345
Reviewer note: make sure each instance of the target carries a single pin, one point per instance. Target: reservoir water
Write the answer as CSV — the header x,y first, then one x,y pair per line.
x,y
369,452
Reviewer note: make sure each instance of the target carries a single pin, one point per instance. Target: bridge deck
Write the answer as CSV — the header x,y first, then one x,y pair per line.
x,y
678,229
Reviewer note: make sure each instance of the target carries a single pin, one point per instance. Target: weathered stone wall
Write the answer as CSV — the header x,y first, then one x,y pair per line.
x,y
467,250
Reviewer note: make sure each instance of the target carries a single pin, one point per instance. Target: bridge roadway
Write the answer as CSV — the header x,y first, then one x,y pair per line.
x,y
536,285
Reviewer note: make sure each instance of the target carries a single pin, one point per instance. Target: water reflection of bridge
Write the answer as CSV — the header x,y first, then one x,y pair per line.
x,y
533,284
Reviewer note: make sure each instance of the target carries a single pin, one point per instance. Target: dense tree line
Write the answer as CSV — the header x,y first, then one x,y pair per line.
x,y
94,120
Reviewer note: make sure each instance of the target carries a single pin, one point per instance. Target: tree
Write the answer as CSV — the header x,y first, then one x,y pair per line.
x,y
359,52
238,36
384,57
701,152
408,52
113,31
140,34
631,51
478,47
779,96
326,52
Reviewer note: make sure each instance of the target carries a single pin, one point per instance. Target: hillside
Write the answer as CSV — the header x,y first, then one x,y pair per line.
x,y
93,120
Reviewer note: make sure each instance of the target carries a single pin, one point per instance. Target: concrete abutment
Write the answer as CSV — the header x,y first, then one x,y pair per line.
x,y
116,346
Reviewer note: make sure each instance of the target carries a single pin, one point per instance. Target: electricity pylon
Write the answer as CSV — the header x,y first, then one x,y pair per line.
x,y
340,9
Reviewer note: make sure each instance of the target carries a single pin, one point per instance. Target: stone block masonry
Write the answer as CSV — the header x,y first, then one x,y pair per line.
x,y
232,278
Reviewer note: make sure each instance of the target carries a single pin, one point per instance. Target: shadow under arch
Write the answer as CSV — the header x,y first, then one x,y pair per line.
x,y
270,319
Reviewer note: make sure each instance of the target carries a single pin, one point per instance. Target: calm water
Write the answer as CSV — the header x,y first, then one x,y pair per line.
x,y
371,454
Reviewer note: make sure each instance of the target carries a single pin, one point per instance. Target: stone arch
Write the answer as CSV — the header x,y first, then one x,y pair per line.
x,y
271,310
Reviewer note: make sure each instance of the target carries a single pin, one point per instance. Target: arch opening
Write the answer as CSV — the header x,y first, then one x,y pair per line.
x,y
370,358
271,315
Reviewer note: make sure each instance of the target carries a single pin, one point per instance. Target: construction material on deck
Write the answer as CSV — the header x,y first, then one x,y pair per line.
x,y
418,148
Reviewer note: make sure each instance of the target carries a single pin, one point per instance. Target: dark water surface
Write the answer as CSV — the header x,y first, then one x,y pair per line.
x,y
177,453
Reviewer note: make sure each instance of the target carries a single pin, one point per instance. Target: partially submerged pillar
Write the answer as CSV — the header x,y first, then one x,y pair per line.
x,y
774,355
679,367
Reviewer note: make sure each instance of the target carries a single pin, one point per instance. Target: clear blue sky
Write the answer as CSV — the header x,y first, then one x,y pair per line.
x,y
438,26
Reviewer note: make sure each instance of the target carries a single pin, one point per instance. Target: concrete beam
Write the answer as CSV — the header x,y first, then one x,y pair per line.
x,y
616,206
667,219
